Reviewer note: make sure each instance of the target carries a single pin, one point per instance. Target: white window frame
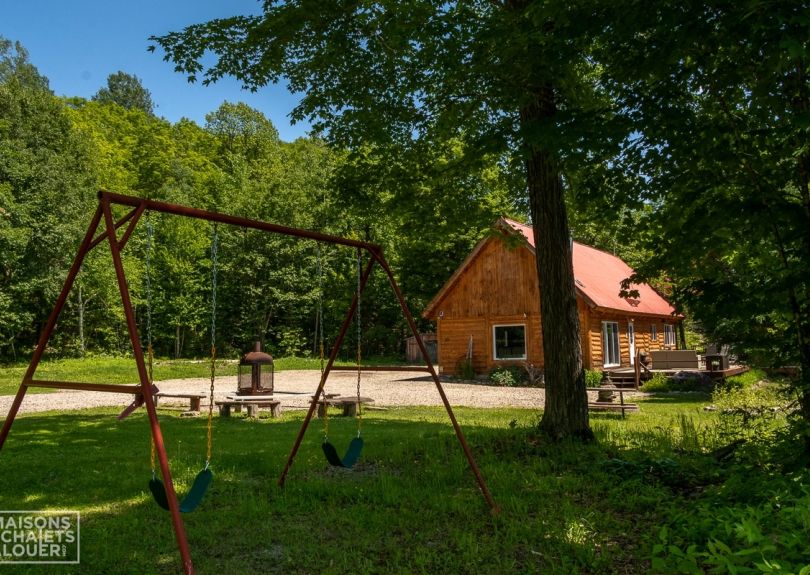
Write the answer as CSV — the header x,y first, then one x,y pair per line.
x,y
495,342
653,332
606,346
669,335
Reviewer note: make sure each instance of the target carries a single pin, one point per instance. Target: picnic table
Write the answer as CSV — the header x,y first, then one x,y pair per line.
x,y
609,405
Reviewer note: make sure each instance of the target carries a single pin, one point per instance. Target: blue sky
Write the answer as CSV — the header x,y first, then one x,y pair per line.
x,y
76,45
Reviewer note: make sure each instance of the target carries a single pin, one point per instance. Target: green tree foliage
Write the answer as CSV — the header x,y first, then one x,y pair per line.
x,y
44,196
510,79
241,130
127,91
136,153
722,117
236,163
267,279
15,66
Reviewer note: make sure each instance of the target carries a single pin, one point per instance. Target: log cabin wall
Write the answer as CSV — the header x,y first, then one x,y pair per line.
x,y
643,335
454,338
585,334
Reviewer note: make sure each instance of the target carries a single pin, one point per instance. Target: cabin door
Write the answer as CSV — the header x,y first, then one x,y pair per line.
x,y
631,338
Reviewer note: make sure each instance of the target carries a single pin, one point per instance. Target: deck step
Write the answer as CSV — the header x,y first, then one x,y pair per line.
x,y
625,378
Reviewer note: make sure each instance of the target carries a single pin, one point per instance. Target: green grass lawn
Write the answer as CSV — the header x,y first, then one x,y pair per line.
x,y
411,506
646,491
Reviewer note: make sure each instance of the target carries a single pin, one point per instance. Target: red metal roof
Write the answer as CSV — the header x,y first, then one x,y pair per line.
x,y
598,277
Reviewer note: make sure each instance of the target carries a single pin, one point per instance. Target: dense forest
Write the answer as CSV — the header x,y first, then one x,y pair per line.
x,y
55,154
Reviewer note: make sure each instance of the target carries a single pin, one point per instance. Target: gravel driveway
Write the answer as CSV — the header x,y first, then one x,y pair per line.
x,y
294,388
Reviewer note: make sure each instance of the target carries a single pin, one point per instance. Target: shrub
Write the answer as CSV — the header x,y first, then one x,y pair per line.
x,y
658,382
686,382
508,375
748,379
289,341
592,378
755,413
502,377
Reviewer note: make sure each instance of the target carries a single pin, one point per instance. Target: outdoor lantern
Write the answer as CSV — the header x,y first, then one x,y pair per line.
x,y
255,373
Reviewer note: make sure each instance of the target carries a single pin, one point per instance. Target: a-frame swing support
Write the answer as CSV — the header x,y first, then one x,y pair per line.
x,y
109,232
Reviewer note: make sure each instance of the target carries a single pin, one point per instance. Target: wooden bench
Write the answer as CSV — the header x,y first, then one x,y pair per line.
x,y
674,359
252,403
194,398
348,403
609,405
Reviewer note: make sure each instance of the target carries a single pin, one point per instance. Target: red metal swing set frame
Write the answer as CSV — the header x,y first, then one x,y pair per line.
x,y
142,390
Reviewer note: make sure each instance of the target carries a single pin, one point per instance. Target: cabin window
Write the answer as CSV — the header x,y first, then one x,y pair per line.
x,y
669,334
509,341
653,332
610,343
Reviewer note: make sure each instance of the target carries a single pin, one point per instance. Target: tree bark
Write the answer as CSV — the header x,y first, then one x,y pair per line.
x,y
566,410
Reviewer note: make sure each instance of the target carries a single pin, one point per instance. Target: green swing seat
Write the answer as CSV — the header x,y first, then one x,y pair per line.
x,y
352,454
194,497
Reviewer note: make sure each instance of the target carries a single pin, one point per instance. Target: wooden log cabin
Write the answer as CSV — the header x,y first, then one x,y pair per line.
x,y
489,309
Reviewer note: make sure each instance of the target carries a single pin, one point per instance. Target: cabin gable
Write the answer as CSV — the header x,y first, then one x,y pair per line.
x,y
499,281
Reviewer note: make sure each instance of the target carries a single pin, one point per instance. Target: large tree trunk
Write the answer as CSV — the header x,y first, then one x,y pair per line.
x,y
566,410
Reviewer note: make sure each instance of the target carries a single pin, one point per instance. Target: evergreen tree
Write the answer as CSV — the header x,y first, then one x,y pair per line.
x,y
127,91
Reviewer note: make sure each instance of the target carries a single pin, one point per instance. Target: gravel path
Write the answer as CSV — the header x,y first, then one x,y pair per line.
x,y
294,388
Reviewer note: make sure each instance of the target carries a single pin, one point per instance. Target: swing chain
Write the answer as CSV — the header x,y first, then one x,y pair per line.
x,y
150,231
150,354
320,308
359,336
321,340
214,265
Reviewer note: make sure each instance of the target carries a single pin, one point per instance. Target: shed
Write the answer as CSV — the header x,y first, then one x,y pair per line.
x,y
412,352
